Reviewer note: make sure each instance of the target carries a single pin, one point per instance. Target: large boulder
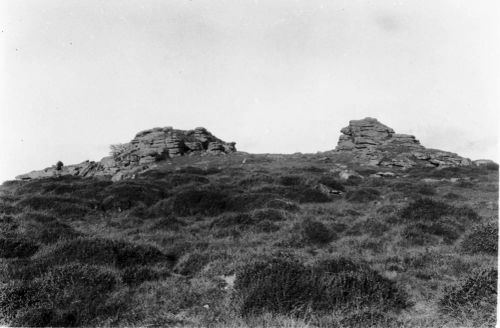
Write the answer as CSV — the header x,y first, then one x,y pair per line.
x,y
376,144
142,153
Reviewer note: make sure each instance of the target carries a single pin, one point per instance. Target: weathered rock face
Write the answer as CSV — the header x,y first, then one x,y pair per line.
x,y
147,148
374,143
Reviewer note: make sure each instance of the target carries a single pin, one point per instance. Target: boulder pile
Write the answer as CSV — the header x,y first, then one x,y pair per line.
x,y
374,143
145,149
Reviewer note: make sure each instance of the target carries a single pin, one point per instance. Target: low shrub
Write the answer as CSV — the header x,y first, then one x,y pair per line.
x,y
412,235
315,232
448,230
175,180
136,275
48,232
192,263
101,251
283,285
482,239
276,285
17,247
426,189
200,201
282,204
337,264
270,214
371,226
167,223
266,226
473,297
300,194
331,183
426,209
232,220
452,196
126,194
362,195
66,207
290,180
68,295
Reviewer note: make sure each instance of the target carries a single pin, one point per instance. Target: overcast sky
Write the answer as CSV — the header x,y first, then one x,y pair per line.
x,y
273,76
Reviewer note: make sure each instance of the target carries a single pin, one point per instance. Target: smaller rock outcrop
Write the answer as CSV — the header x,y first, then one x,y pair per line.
x,y
376,144
142,152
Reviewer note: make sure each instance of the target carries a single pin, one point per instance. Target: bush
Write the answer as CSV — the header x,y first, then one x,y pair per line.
x,y
175,180
48,232
101,251
301,194
291,180
426,189
332,183
282,204
473,297
200,201
414,236
482,239
426,209
124,195
270,214
17,247
266,226
136,275
276,285
232,220
417,233
283,285
362,195
61,206
192,263
315,232
371,226
69,295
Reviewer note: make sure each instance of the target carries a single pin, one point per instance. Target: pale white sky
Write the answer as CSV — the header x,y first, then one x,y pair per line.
x,y
273,76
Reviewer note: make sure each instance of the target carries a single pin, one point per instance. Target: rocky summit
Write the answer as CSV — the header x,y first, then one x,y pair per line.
x,y
143,152
373,143
365,142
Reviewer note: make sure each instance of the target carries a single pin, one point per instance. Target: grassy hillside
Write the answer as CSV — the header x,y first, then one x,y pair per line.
x,y
252,240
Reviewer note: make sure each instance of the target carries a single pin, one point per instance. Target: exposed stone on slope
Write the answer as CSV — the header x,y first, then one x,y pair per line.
x,y
142,152
374,143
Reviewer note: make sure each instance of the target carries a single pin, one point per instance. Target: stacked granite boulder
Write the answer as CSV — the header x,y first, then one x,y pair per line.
x,y
147,148
373,143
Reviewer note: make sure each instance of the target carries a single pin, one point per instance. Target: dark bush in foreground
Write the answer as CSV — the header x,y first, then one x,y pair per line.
x,y
474,296
315,232
102,251
362,195
426,209
17,247
482,239
285,286
69,295
278,286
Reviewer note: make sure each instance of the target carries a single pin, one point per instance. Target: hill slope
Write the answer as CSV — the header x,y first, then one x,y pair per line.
x,y
317,240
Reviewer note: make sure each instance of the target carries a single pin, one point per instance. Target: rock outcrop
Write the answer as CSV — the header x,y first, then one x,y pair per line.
x,y
145,149
374,143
